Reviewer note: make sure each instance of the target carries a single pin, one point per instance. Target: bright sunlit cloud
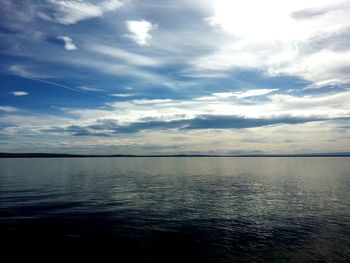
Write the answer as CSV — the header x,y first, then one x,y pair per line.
x,y
140,31
282,37
283,21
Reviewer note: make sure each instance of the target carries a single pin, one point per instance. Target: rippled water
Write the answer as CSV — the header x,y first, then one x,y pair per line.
x,y
178,209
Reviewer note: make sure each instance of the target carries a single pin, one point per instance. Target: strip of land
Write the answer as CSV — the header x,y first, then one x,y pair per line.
x,y
60,155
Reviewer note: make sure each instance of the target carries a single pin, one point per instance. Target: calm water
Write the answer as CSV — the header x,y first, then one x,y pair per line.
x,y
178,209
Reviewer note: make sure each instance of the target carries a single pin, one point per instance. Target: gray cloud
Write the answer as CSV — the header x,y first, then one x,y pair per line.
x,y
337,41
311,13
112,127
14,14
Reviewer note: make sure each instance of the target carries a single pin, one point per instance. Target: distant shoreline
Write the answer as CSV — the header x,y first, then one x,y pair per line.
x,y
54,155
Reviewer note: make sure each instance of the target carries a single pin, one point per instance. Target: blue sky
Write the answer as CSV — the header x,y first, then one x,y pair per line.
x,y
163,77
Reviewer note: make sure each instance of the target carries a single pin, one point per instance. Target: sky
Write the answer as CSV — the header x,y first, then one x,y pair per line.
x,y
175,77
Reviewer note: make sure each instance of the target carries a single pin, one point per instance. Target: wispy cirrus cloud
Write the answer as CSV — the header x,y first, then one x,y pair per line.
x,y
70,12
16,14
238,94
113,68
27,73
24,71
8,109
126,56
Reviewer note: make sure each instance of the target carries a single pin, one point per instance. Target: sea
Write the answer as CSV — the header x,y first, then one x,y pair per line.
x,y
180,209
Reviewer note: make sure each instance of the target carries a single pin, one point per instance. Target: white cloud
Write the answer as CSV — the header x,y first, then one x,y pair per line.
x,y
275,138
68,43
88,88
19,93
139,30
275,105
238,94
332,100
122,95
274,20
323,67
23,71
281,37
154,102
244,94
69,12
269,139
8,109
29,72
116,69
128,57
326,83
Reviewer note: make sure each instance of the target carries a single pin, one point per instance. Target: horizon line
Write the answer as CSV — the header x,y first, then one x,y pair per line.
x,y
68,155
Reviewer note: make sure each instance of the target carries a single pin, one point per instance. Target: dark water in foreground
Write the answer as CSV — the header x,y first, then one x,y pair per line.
x,y
181,209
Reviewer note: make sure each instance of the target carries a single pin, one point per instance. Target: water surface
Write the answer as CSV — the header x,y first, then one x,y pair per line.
x,y
181,209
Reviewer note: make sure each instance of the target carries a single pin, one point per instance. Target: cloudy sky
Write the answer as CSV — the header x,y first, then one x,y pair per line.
x,y
164,76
